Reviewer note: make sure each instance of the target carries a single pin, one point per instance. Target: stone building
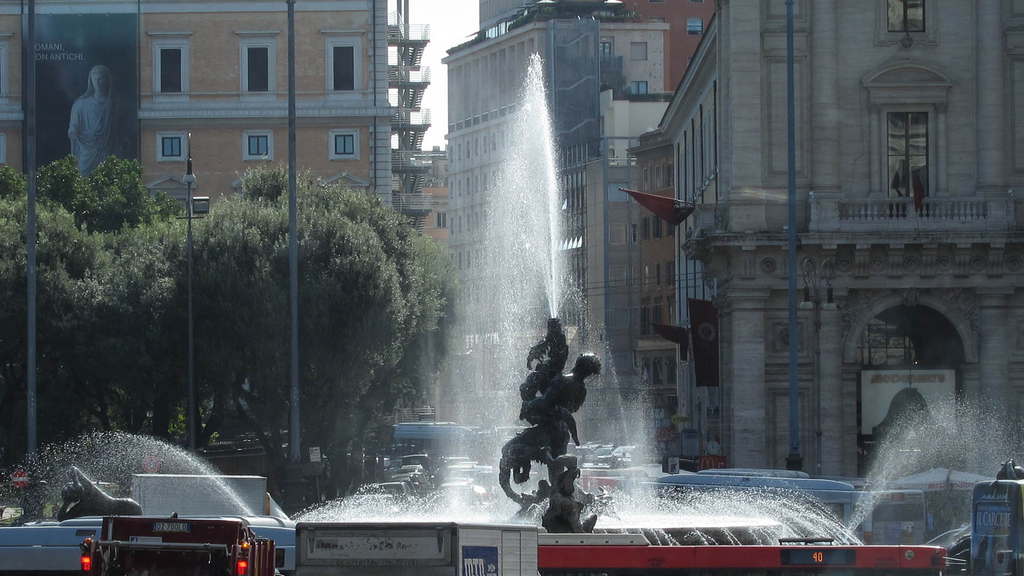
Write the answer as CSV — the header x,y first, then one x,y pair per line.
x,y
908,150
217,70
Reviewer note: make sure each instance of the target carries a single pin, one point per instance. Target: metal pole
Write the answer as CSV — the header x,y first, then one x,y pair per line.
x,y
191,420
293,243
793,461
30,239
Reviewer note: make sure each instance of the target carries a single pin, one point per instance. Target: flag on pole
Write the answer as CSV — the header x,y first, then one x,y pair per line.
x,y
668,209
704,328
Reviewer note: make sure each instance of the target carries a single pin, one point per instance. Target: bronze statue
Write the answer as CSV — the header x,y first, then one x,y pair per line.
x,y
83,498
549,400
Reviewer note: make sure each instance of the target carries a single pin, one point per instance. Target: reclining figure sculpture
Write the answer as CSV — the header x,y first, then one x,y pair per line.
x,y
82,497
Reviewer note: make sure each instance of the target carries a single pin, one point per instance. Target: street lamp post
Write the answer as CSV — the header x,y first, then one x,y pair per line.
x,y
794,461
190,419
818,277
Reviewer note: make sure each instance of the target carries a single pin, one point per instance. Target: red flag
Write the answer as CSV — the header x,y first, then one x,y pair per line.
x,y
673,333
918,192
704,327
668,209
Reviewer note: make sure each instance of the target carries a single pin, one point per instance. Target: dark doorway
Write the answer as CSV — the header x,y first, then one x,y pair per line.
x,y
904,346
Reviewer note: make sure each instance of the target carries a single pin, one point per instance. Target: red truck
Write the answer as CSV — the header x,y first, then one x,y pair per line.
x,y
173,546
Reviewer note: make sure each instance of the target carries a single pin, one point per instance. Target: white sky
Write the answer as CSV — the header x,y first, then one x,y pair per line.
x,y
451,23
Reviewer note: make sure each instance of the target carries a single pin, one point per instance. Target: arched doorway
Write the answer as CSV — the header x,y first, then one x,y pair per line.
x,y
911,356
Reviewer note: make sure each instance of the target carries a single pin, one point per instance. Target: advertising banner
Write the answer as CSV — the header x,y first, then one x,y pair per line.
x,y
87,87
879,387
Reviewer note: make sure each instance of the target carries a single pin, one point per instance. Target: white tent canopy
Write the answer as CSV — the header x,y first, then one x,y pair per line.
x,y
941,479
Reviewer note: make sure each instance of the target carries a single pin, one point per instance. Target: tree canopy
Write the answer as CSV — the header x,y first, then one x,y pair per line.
x,y
375,310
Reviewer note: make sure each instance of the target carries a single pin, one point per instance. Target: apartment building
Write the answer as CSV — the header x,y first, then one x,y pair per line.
x,y
215,70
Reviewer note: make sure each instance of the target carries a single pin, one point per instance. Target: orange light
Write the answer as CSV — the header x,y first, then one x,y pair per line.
x,y
86,563
245,545
242,567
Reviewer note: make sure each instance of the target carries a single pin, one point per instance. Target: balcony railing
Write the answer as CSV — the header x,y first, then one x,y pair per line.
x,y
408,159
412,202
405,75
405,117
398,29
901,214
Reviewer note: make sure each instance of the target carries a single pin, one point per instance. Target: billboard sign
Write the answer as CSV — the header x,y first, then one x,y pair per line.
x,y
879,387
87,87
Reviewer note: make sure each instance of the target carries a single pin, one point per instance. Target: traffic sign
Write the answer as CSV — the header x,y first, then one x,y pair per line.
x,y
19,478
150,464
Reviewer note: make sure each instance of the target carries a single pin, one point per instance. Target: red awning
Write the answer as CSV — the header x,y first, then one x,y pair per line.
x,y
670,332
668,209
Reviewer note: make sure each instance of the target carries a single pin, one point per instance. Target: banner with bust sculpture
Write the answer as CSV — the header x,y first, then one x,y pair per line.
x,y
87,87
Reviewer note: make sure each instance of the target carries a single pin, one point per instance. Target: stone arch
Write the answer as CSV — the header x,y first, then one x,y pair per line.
x,y
961,322
907,74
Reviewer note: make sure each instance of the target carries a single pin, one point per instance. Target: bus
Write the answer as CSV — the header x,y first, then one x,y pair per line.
x,y
434,438
631,555
896,517
839,498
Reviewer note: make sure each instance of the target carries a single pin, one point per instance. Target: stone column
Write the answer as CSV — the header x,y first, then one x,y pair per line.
x,y
993,353
941,168
830,393
747,394
874,151
991,125
824,97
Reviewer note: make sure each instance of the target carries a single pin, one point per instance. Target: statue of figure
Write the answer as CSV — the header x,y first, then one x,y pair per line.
x,y
95,129
549,400
83,498
564,509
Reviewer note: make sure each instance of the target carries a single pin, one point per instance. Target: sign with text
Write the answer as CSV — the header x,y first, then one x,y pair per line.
x,y
879,387
479,561
357,547
87,87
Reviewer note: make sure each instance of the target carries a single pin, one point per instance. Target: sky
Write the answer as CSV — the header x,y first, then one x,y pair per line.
x,y
451,22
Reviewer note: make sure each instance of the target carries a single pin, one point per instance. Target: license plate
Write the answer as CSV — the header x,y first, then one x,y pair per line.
x,y
171,527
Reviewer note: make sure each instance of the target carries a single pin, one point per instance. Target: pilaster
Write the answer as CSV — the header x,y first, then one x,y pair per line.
x,y
746,410
825,97
830,393
991,125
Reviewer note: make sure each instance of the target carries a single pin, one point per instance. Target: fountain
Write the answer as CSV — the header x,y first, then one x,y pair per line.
x,y
514,285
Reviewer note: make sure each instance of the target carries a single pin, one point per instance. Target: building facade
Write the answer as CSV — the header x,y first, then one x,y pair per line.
x,y
594,122
215,70
907,154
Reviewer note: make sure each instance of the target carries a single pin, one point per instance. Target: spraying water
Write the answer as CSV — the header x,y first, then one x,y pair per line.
x,y
514,283
112,458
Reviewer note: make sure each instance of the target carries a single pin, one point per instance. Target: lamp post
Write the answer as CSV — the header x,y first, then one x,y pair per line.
x,y
816,278
190,419
794,461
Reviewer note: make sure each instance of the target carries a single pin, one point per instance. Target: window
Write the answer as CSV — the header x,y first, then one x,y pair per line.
x,y
657,274
342,68
657,228
907,151
3,148
645,228
258,58
645,317
694,26
442,220
670,272
171,146
606,48
638,87
906,15
4,75
344,145
616,233
638,50
258,145
656,315
170,62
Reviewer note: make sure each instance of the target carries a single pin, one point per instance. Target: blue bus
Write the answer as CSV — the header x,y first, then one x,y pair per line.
x,y
839,498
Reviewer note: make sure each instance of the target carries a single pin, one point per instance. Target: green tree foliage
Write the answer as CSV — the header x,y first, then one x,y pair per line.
x,y
109,199
373,299
375,310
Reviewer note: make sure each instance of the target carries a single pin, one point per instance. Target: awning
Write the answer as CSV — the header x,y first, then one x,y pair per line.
x,y
671,332
668,209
